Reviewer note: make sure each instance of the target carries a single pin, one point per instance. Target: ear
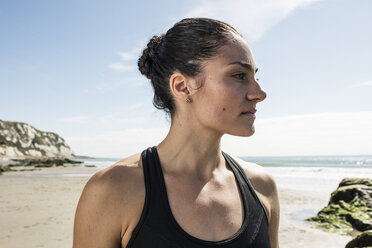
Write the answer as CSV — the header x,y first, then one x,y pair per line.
x,y
178,84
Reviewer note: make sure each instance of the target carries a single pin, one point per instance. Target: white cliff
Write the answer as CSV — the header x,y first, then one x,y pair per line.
x,y
20,140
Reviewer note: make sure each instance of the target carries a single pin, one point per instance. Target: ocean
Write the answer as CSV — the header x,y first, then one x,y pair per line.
x,y
351,161
315,173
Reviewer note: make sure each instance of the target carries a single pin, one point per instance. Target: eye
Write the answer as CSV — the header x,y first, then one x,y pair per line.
x,y
240,75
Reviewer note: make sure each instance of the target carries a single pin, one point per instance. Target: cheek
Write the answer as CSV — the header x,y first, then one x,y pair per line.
x,y
225,103
220,98
228,100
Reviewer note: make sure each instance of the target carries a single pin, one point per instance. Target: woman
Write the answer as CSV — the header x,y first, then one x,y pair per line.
x,y
186,192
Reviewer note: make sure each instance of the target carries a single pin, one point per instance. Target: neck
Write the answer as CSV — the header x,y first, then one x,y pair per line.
x,y
189,150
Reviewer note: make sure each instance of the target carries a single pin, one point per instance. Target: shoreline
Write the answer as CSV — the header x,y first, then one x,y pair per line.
x,y
38,207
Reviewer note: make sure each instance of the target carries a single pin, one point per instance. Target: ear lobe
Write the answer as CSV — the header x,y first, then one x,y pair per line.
x,y
178,86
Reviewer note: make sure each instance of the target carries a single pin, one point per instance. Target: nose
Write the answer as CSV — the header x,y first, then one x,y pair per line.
x,y
255,92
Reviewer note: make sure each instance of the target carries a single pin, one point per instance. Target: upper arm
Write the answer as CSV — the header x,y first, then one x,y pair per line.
x,y
266,187
273,200
96,223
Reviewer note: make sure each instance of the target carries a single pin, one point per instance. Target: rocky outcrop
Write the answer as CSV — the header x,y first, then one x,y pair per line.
x,y
350,207
349,210
21,141
362,240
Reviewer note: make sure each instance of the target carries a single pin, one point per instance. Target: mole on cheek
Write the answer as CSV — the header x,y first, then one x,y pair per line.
x,y
223,109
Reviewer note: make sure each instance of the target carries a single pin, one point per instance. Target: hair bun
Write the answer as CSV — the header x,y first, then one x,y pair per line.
x,y
146,60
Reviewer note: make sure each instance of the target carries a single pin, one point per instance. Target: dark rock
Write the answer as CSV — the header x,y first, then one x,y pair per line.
x,y
90,165
353,181
349,208
5,168
362,240
47,162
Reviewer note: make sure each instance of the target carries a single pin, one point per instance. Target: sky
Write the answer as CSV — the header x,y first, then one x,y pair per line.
x,y
70,67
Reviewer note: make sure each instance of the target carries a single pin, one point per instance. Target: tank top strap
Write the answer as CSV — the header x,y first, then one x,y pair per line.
x,y
157,192
154,217
148,178
153,166
243,177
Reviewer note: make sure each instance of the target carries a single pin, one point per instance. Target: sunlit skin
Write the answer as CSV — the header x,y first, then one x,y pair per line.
x,y
225,89
201,188
229,88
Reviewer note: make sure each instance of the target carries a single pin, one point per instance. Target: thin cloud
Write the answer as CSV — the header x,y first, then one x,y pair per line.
x,y
107,87
135,106
133,82
334,133
121,67
74,119
117,143
134,53
119,112
313,134
252,18
128,58
115,119
139,83
364,84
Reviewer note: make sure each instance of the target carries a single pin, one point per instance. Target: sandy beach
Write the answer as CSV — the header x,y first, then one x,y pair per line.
x,y
37,210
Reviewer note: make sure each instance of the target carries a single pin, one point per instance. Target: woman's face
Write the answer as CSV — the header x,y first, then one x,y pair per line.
x,y
229,92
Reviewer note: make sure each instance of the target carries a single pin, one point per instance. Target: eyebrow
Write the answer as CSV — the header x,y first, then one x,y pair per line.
x,y
244,64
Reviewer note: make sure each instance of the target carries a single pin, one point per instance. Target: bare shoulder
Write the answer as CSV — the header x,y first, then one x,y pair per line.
x,y
110,205
122,177
258,176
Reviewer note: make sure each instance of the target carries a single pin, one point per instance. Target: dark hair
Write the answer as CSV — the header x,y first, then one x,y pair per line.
x,y
183,48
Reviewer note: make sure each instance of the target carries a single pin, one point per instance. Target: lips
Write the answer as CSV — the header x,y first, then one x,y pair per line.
x,y
250,111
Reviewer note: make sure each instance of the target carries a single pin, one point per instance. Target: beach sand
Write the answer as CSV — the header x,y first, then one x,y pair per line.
x,y
37,209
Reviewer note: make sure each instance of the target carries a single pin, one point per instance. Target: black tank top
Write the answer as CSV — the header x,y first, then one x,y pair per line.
x,y
157,227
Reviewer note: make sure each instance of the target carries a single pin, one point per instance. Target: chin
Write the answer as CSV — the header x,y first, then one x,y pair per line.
x,y
244,133
247,134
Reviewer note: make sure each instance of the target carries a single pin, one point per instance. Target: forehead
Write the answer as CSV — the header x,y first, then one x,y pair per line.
x,y
235,52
